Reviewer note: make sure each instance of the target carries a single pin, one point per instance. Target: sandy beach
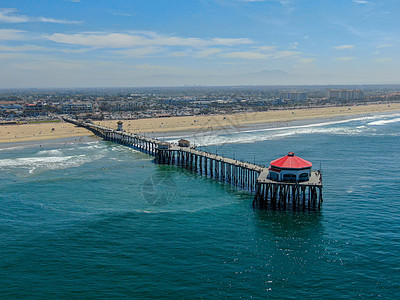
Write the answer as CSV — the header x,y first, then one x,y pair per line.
x,y
45,131
273,116
39,132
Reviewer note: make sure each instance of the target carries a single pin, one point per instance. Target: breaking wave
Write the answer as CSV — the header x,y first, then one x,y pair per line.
x,y
354,126
384,122
30,165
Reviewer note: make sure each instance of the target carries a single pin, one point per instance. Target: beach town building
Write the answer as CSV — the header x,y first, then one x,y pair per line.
x,y
290,168
76,108
344,94
293,96
35,109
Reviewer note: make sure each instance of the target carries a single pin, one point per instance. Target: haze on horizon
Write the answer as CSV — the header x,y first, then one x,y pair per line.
x,y
86,43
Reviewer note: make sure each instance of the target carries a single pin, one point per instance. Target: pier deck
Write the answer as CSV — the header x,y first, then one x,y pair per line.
x,y
254,178
315,179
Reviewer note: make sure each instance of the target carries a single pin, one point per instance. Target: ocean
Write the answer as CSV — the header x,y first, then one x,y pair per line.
x,y
85,218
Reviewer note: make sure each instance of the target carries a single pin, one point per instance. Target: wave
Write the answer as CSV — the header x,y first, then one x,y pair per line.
x,y
224,136
53,152
39,164
92,146
384,122
257,136
12,148
237,130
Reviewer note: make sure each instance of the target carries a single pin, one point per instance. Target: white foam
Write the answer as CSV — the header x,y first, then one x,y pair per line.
x,y
217,137
40,161
238,131
252,137
12,148
39,164
91,147
384,122
50,152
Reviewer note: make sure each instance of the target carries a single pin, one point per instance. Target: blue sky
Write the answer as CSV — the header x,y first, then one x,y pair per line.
x,y
72,43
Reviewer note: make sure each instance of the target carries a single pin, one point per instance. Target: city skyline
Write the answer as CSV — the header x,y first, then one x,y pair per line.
x,y
207,42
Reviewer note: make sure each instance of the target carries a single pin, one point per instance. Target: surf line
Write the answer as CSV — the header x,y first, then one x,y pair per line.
x,y
268,193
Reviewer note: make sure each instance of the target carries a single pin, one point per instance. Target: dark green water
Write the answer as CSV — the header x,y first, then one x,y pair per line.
x,y
90,219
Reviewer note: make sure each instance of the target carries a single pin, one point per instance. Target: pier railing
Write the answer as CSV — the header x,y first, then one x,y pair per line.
x,y
251,177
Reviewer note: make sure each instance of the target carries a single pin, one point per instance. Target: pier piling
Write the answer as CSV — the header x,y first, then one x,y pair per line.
x,y
268,194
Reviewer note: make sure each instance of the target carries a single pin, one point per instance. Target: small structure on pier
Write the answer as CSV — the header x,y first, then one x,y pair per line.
x,y
163,146
183,143
290,168
119,125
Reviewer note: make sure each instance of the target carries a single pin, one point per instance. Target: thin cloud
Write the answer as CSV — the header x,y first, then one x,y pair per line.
x,y
285,54
11,56
179,54
51,20
8,15
207,52
122,14
384,46
382,60
236,2
230,42
360,1
12,35
344,47
306,61
139,52
293,45
254,55
345,58
247,55
267,48
74,51
348,28
26,48
124,40
283,2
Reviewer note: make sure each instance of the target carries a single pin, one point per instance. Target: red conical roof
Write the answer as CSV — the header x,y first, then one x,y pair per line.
x,y
291,161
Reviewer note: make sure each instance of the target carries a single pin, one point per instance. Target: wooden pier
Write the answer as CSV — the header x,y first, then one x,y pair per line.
x,y
253,178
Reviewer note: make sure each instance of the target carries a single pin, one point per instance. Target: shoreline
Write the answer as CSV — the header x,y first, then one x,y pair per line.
x,y
20,133
254,127
187,124
190,123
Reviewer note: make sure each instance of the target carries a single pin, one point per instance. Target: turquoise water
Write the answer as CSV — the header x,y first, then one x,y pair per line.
x,y
86,218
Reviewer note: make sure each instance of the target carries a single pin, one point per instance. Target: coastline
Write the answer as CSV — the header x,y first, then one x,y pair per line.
x,y
175,125
189,123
